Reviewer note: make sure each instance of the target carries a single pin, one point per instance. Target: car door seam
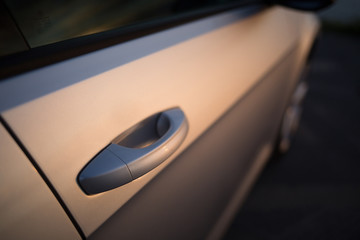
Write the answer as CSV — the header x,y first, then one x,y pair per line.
x,y
43,176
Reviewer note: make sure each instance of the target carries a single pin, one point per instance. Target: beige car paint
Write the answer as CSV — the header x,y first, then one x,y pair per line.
x,y
204,76
28,208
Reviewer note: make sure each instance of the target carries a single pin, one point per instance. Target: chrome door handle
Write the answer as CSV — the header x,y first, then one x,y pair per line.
x,y
135,152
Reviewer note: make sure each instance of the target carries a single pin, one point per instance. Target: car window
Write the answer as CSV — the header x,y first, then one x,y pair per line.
x,y
48,21
11,40
43,32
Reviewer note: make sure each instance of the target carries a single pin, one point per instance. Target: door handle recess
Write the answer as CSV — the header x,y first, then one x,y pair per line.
x,y
135,152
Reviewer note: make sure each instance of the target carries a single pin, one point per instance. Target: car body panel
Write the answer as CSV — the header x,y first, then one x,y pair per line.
x,y
29,209
192,191
66,124
218,168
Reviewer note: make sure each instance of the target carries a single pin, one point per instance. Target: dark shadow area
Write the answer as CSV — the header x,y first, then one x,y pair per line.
x,y
313,192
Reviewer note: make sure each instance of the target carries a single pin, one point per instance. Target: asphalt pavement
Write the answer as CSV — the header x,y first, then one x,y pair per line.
x,y
313,192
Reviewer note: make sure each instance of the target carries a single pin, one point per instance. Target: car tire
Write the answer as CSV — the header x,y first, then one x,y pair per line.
x,y
291,119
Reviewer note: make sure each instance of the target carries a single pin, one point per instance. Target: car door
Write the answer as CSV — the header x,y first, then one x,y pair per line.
x,y
230,72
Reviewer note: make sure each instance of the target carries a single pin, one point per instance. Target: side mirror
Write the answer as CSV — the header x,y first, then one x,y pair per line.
x,y
306,5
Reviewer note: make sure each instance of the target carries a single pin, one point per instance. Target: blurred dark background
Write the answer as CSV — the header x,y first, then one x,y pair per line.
x,y
313,192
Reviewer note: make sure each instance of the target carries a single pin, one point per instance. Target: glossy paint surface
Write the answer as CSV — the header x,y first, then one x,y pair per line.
x,y
28,208
206,75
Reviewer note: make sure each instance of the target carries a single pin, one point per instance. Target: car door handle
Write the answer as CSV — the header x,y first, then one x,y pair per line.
x,y
135,152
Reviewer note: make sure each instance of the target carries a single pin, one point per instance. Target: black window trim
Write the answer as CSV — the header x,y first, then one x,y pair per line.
x,y
45,55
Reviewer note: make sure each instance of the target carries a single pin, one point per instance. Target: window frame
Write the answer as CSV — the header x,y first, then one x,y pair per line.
x,y
38,57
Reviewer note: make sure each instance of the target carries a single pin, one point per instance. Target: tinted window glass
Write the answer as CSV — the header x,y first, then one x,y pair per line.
x,y
11,40
47,21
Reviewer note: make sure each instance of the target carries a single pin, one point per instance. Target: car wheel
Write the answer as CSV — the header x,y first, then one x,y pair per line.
x,y
291,118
